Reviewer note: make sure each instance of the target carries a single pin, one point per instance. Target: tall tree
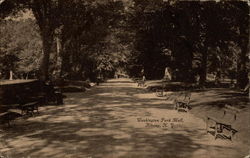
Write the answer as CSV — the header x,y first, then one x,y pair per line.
x,y
20,47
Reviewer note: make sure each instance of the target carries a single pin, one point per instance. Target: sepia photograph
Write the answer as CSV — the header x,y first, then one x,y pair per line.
x,y
124,79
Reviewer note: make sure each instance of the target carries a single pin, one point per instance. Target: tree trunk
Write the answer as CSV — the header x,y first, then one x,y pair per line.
x,y
43,13
242,77
27,76
58,59
203,72
47,43
11,75
65,64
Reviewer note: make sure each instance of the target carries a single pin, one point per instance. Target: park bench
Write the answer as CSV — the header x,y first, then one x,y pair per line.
x,y
53,95
159,91
6,113
30,108
181,103
30,100
10,112
8,116
222,126
172,96
140,83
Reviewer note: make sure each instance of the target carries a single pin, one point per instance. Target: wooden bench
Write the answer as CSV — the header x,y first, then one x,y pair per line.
x,y
50,93
7,117
29,103
53,95
223,126
159,92
10,112
140,82
181,103
173,96
22,98
30,108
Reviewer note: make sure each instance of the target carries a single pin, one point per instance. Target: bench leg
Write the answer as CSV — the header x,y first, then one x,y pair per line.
x,y
175,106
207,124
33,108
8,121
37,110
216,130
32,112
231,135
22,110
186,107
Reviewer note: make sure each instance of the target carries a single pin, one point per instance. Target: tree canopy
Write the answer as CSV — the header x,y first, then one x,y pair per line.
x,y
83,39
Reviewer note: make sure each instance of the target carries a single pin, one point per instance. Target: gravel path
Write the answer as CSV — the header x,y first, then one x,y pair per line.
x,y
115,119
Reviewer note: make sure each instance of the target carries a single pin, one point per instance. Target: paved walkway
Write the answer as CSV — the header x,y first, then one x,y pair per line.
x,y
115,119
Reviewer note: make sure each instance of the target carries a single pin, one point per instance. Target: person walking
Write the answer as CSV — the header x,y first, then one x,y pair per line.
x,y
167,75
166,78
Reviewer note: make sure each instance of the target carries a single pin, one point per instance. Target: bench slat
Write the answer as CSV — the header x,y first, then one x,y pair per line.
x,y
231,108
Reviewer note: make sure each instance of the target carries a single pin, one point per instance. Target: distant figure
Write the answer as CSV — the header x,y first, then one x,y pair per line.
x,y
143,78
141,83
142,73
197,79
167,75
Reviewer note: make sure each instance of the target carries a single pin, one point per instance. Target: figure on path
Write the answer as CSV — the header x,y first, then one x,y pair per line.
x,y
142,72
143,78
167,75
167,78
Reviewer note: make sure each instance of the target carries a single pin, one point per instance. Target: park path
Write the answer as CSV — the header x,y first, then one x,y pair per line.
x,y
107,122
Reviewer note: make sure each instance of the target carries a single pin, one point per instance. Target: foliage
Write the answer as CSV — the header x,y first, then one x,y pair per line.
x,y
20,47
197,35
98,38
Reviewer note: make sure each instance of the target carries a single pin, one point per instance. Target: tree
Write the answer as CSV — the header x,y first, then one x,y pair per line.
x,y
86,35
189,31
20,47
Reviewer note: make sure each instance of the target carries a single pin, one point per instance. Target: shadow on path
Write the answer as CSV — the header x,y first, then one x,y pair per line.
x,y
102,123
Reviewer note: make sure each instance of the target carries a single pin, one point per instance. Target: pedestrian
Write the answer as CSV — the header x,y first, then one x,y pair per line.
x,y
167,75
143,80
167,78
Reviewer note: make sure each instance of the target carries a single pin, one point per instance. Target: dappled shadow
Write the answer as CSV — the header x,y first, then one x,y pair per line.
x,y
102,136
221,97
102,123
